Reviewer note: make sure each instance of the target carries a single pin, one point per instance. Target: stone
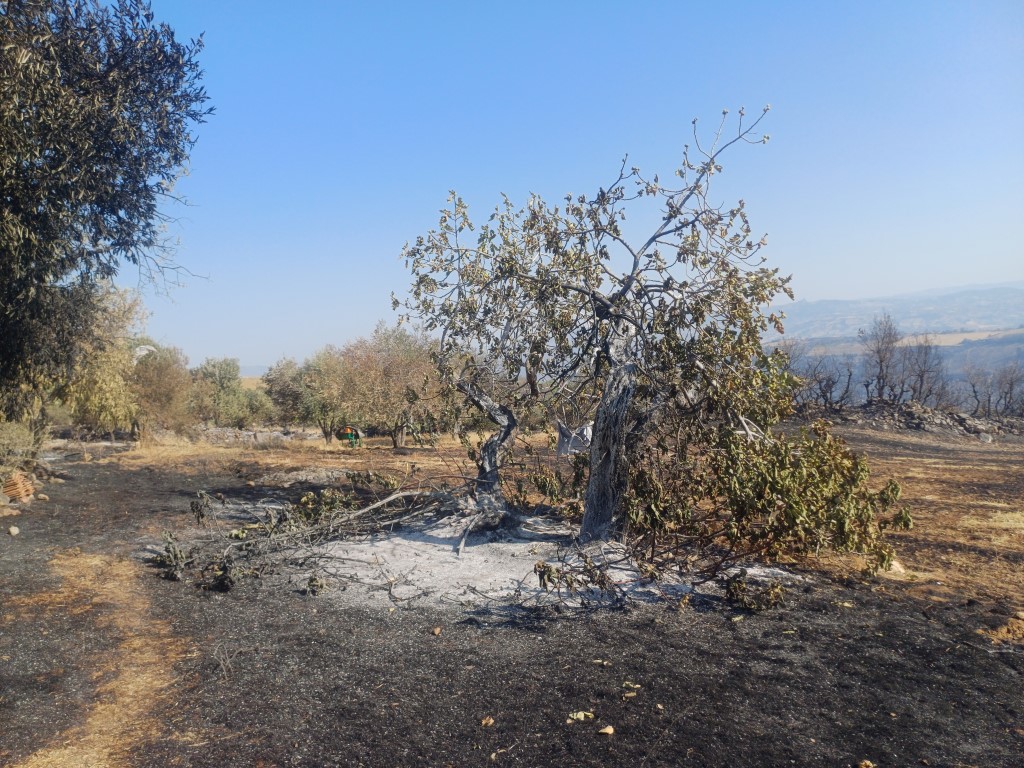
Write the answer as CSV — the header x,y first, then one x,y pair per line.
x,y
14,530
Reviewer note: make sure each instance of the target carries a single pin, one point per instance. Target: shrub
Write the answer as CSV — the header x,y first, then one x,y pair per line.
x,y
746,498
16,446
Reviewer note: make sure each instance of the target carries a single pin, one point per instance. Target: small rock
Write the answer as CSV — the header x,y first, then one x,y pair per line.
x,y
42,497
985,437
14,530
57,480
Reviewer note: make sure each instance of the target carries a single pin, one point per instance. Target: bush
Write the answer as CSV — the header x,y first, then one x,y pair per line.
x,y
16,446
746,498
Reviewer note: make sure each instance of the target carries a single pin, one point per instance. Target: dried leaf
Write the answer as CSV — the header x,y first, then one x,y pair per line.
x,y
607,730
487,722
580,716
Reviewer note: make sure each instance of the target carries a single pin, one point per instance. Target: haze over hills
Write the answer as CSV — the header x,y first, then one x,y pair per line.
x,y
973,308
975,326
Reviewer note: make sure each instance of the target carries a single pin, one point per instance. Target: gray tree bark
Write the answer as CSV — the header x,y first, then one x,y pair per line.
x,y
608,471
490,451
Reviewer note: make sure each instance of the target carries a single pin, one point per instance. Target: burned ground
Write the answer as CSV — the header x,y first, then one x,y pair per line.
x,y
104,663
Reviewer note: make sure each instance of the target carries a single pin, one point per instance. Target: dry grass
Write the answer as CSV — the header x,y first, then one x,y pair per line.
x,y
134,681
445,462
967,500
252,382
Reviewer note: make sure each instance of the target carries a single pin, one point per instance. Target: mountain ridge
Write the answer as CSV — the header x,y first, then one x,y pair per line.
x,y
970,308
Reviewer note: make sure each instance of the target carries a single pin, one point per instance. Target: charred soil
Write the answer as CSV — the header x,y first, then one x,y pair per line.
x,y
104,663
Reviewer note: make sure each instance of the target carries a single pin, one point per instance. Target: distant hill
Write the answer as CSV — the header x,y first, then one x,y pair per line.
x,y
980,308
983,349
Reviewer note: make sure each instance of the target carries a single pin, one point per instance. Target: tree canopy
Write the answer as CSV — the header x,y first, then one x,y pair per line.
x,y
567,296
662,330
393,381
98,103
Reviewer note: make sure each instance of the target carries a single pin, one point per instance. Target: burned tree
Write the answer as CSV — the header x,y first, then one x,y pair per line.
x,y
553,300
666,328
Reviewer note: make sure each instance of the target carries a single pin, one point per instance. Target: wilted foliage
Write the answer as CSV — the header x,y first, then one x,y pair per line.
x,y
706,506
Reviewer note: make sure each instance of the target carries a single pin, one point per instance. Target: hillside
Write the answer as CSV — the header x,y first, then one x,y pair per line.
x,y
977,326
970,309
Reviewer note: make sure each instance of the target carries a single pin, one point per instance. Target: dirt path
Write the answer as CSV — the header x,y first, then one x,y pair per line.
x,y
131,682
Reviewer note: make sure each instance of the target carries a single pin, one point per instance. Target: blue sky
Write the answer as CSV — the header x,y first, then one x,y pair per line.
x,y
896,160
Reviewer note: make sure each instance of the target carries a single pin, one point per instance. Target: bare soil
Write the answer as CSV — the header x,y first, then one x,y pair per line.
x,y
103,663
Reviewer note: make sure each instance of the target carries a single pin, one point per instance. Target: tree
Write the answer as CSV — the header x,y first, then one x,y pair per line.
x,y
998,392
326,391
925,372
1009,389
217,395
559,302
394,380
827,381
283,384
161,382
556,292
97,108
881,360
100,392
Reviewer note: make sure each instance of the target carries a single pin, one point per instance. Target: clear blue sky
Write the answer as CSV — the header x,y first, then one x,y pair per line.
x,y
896,161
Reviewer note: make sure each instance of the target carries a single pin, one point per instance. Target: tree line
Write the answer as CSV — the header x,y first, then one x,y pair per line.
x,y
386,383
894,368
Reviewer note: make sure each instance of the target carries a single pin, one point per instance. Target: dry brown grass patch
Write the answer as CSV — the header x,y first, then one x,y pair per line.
x,y
132,683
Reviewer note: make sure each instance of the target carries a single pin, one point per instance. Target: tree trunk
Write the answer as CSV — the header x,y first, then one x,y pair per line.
x,y
608,471
490,452
398,437
327,430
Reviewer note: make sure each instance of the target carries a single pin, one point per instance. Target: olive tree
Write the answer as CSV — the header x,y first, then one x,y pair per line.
x,y
554,292
326,392
100,392
217,395
283,384
97,108
666,325
393,380
881,365
161,382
